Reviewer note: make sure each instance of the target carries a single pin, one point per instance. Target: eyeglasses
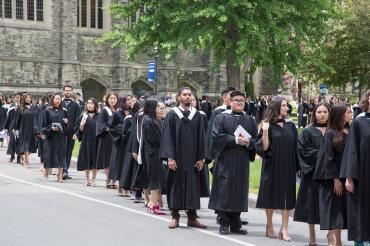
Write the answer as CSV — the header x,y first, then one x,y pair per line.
x,y
238,101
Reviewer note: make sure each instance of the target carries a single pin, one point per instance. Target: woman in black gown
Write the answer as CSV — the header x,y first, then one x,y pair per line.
x,y
86,134
309,142
154,112
355,169
25,128
55,129
104,137
277,145
332,198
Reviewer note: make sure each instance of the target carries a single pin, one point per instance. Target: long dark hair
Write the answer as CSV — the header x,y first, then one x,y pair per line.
x,y
364,104
150,107
122,104
23,101
111,93
197,106
137,106
96,104
273,110
337,124
313,116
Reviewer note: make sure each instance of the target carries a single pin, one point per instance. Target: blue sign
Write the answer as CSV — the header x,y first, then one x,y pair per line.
x,y
324,86
152,72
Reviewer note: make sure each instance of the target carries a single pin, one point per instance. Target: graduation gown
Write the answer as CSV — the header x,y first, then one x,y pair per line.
x,y
26,124
204,173
280,163
307,207
105,140
209,155
156,171
13,147
356,164
333,211
56,141
302,110
41,143
183,140
128,160
118,146
230,184
2,117
89,143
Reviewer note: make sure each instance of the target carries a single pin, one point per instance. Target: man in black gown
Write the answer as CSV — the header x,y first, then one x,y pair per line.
x,y
233,150
9,125
73,113
182,144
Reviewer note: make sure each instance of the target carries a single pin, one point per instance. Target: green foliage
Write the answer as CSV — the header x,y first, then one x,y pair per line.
x,y
271,32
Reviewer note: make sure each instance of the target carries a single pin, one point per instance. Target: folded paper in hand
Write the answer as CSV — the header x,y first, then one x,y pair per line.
x,y
241,131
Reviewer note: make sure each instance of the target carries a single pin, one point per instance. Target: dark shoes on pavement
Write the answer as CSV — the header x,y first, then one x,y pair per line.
x,y
224,230
196,224
173,224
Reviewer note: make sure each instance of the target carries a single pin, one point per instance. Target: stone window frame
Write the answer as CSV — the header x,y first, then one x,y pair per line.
x,y
42,21
102,18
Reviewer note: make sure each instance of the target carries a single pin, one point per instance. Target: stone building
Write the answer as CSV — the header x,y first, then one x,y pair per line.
x,y
45,44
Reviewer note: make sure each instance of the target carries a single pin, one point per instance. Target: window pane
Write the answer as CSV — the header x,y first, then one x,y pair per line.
x,y
40,10
31,10
1,8
78,12
19,9
100,14
83,12
93,14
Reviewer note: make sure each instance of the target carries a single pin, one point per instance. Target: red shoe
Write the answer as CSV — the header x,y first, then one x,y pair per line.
x,y
155,210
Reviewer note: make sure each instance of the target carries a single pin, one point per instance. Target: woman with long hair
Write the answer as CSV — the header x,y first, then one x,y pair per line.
x,y
332,198
55,129
105,140
309,143
24,128
117,131
89,144
355,169
277,145
154,113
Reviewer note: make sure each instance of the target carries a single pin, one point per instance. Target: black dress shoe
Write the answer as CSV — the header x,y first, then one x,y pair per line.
x,y
69,177
244,222
65,176
224,230
218,220
239,231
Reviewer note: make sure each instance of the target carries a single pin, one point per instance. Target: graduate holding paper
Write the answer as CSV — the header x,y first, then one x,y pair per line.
x,y
233,136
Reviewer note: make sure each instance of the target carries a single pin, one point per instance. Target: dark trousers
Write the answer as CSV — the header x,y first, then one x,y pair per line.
x,y
191,213
70,144
231,219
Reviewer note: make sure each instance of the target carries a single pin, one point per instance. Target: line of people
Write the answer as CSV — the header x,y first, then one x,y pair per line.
x,y
148,150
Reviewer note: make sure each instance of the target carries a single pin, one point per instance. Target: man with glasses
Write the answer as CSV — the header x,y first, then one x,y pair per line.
x,y
233,137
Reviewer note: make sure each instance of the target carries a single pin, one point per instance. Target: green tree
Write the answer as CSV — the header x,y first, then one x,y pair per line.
x,y
271,32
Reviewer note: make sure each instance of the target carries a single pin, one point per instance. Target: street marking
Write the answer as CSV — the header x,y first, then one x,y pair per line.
x,y
124,208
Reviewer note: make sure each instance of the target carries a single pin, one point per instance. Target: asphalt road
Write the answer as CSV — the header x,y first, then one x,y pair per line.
x,y
34,212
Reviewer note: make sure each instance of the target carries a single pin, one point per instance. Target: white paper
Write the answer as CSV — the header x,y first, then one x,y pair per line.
x,y
240,130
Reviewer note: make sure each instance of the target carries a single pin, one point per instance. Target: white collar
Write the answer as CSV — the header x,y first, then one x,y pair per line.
x,y
108,110
178,109
229,111
221,107
363,114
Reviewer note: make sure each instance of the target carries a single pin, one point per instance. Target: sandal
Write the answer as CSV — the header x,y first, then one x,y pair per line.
x,y
281,235
93,182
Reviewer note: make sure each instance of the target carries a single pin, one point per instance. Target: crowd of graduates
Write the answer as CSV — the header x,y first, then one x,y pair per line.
x,y
148,149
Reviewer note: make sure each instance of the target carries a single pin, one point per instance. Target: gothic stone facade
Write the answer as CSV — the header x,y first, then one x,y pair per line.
x,y
42,56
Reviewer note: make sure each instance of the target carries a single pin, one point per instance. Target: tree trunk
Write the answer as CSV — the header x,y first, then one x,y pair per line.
x,y
232,71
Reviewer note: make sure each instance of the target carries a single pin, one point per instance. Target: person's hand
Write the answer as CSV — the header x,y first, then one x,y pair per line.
x,y
172,164
55,129
349,185
265,127
299,173
243,141
134,155
42,136
338,187
74,137
199,165
65,120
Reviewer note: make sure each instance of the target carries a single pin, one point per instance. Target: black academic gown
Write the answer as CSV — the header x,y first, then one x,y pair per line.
x,y
280,163
2,117
119,142
26,125
128,160
156,171
302,110
105,140
356,164
42,146
56,141
307,207
230,184
183,140
204,173
89,143
209,155
333,209
13,147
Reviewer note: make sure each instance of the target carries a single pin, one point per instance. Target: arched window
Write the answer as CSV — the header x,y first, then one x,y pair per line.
x,y
90,13
32,10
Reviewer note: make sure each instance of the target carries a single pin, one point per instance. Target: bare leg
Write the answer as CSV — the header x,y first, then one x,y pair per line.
x,y
312,234
46,173
331,238
60,175
153,197
338,238
26,162
87,174
284,225
270,232
94,173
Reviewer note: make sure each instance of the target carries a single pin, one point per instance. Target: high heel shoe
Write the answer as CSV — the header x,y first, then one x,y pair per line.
x,y
281,236
155,210
270,236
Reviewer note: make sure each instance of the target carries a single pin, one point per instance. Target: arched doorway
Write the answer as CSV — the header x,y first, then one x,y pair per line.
x,y
140,87
92,88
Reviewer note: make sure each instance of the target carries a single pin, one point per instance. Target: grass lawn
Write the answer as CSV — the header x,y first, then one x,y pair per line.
x,y
76,148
